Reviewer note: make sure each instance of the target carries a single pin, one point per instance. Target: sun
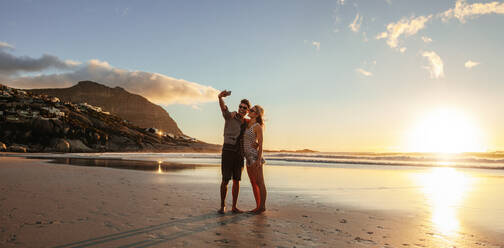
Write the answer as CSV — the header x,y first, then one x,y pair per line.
x,y
445,131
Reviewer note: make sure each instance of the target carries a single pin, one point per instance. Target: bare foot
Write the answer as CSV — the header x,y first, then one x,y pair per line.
x,y
222,210
258,210
236,211
253,210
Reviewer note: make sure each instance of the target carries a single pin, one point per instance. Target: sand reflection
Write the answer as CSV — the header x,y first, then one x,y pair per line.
x,y
159,170
445,190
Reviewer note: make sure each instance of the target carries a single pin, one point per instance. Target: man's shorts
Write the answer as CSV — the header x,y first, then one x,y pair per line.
x,y
231,165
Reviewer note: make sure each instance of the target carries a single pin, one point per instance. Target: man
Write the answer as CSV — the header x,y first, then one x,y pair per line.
x,y
232,155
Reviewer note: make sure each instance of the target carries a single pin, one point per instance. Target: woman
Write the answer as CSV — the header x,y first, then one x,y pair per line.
x,y
253,149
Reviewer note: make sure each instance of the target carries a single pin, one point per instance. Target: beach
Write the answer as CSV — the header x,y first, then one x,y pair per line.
x,y
46,204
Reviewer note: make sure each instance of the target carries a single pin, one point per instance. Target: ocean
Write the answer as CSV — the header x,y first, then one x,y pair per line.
x,y
463,160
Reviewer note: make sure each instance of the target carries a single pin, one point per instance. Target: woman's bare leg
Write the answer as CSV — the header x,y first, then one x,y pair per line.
x,y
252,173
262,189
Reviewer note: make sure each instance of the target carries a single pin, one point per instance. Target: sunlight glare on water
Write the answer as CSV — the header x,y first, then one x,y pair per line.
x,y
445,190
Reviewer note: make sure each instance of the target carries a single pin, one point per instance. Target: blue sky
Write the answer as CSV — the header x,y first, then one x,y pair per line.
x,y
323,84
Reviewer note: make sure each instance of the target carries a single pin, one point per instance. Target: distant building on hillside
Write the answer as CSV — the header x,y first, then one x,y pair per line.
x,y
54,111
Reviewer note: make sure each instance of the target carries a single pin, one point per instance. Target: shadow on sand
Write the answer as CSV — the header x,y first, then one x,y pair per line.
x,y
217,220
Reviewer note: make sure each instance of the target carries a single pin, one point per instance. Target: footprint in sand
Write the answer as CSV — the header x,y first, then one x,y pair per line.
x,y
12,238
225,241
364,241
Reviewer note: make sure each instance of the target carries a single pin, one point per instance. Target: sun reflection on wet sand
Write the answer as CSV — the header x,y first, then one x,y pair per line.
x,y
160,171
445,190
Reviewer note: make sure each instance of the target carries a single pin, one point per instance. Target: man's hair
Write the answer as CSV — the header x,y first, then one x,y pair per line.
x,y
245,101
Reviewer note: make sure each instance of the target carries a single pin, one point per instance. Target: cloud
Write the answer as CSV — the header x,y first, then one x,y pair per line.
x,y
316,44
462,10
366,67
158,88
436,66
355,25
382,35
5,45
405,26
426,39
363,72
12,65
470,64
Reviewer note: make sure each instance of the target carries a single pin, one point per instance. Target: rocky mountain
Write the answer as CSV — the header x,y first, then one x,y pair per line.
x,y
42,123
134,108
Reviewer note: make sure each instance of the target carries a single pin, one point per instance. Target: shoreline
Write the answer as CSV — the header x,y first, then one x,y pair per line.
x,y
324,161
66,204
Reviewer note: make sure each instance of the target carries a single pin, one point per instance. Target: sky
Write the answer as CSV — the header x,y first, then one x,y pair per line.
x,y
341,76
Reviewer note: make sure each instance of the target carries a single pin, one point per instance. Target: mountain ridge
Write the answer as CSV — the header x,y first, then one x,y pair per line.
x,y
40,123
118,101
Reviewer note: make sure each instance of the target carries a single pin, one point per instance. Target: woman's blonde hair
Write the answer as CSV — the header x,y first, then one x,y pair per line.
x,y
260,113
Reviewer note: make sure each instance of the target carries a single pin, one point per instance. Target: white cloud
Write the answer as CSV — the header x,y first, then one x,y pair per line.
x,y
382,35
436,66
355,25
316,44
72,62
367,66
470,64
5,45
158,88
462,10
426,39
405,26
363,72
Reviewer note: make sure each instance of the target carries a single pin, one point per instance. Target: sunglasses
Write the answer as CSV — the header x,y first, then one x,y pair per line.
x,y
243,107
252,111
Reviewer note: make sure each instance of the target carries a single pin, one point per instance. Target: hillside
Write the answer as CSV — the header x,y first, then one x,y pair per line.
x,y
41,123
132,107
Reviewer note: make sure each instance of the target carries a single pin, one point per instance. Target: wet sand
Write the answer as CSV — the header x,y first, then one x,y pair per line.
x,y
54,205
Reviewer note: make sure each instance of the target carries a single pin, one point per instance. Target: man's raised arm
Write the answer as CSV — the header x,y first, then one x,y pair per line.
x,y
223,107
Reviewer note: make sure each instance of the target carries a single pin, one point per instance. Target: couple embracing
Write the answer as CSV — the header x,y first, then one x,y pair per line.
x,y
243,138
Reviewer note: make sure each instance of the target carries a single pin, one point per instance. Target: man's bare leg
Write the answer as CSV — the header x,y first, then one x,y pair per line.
x,y
223,193
236,191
